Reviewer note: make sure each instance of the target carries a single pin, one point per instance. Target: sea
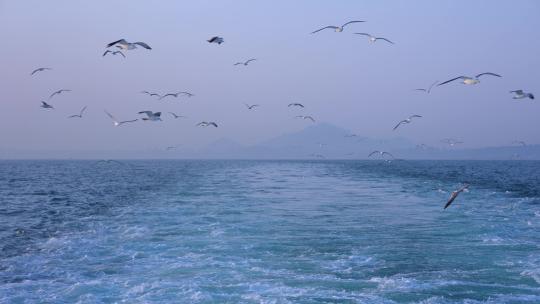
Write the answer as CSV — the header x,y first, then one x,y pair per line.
x,y
299,231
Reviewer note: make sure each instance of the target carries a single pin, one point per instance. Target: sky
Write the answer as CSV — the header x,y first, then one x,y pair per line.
x,y
341,78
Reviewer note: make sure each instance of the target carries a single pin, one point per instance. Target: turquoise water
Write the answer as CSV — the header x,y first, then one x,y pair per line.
x,y
269,232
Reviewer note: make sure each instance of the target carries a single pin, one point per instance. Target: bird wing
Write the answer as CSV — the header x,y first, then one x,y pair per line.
x,y
238,63
120,52
106,52
35,71
115,42
381,38
127,121
144,45
357,21
310,118
250,60
488,73
110,115
519,92
202,123
399,124
213,39
460,77
421,90
82,111
54,93
157,114
431,86
148,113
451,199
173,114
386,153
168,94
412,116
213,124
374,152
326,27
363,34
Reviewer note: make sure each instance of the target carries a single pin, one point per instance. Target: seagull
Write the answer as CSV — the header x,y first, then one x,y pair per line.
x,y
381,153
246,62
455,194
406,121
152,116
216,39
39,70
124,45
80,113
305,117
428,90
176,116
295,104
46,105
114,53
116,122
207,123
470,80
58,92
519,94
373,38
520,142
175,95
188,94
451,142
337,29
251,106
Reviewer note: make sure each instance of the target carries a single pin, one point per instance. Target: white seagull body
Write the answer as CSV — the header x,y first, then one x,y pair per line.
x,y
39,70
519,94
124,45
470,80
118,123
337,29
152,116
406,121
80,113
373,39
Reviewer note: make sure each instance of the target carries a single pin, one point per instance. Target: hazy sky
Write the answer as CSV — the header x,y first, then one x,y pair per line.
x,y
340,77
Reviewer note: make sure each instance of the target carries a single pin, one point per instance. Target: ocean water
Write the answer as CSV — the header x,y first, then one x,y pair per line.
x,y
269,232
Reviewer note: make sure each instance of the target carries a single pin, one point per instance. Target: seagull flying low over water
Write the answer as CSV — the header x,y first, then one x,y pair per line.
x,y
305,117
39,70
207,123
46,105
152,116
295,104
124,45
381,153
406,121
176,116
470,80
58,93
80,113
455,194
251,106
116,122
216,39
337,29
246,62
519,94
373,39
114,53
428,90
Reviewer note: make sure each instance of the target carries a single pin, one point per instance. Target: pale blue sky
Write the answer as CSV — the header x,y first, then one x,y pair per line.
x,y
340,77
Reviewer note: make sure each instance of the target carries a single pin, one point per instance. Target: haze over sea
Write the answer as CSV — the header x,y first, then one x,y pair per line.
x,y
269,232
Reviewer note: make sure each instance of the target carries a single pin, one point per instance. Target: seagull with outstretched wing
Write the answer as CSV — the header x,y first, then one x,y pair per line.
x,y
470,80
406,121
373,39
39,70
116,122
124,45
245,63
337,29
455,194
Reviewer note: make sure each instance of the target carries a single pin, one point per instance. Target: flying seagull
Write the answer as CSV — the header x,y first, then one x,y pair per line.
x,y
207,123
428,90
470,80
114,53
216,39
176,116
455,194
406,121
39,70
46,105
152,116
295,104
116,122
80,113
519,94
451,142
58,92
306,117
246,62
124,45
251,106
373,38
337,29
381,153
